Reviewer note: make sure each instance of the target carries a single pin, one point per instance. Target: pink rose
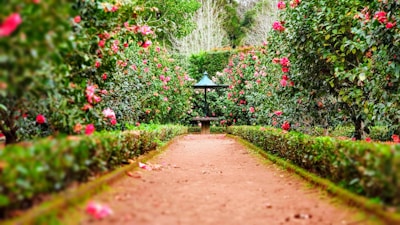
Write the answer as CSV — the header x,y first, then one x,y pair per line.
x,y
146,44
10,24
281,5
102,43
278,26
77,19
89,129
283,83
97,210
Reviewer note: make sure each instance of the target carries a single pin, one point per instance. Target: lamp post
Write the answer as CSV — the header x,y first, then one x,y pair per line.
x,y
206,83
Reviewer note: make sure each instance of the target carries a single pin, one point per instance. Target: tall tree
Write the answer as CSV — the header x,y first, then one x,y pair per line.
x,y
209,32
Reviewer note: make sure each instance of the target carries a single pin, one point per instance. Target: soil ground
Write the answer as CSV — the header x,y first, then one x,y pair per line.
x,y
213,179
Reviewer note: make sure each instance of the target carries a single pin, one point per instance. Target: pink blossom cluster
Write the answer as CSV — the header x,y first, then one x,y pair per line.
x,y
165,79
97,210
278,26
294,3
90,94
110,115
381,16
281,5
285,63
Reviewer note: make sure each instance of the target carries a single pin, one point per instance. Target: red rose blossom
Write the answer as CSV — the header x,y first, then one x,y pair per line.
x,y
285,125
381,16
40,119
390,25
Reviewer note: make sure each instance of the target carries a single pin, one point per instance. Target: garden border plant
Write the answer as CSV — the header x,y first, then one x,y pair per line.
x,y
331,188
54,209
367,169
51,165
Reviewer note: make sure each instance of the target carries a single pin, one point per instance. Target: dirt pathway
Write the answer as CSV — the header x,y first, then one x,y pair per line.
x,y
212,179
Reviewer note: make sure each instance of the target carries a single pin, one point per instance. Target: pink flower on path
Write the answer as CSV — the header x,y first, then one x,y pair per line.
x,y
89,129
252,110
97,210
145,166
10,24
368,139
40,119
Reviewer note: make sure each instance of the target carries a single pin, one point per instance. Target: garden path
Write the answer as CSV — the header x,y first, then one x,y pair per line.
x,y
213,179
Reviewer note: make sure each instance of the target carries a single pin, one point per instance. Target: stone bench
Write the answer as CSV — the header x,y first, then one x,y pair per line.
x,y
205,123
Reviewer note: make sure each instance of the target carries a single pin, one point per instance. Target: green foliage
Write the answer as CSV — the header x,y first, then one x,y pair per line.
x,y
365,168
50,165
212,62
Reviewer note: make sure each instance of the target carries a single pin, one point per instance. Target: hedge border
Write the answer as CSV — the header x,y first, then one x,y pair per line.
x,y
69,198
346,196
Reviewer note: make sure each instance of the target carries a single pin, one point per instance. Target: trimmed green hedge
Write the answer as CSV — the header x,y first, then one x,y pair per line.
x,y
29,170
370,169
212,62
213,129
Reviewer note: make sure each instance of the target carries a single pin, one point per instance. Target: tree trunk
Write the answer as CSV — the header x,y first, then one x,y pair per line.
x,y
11,136
360,130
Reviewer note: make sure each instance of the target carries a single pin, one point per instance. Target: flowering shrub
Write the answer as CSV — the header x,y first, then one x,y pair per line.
x,y
31,46
343,62
79,63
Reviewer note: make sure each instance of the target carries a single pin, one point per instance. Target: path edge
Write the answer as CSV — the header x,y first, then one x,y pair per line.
x,y
68,198
331,188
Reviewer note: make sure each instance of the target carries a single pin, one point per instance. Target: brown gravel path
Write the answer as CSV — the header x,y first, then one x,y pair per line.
x,y
212,179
